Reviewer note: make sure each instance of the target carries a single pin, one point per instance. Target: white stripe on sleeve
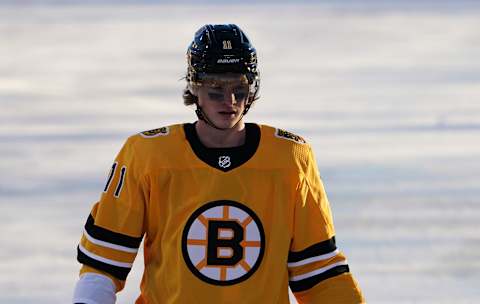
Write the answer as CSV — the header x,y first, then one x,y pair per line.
x,y
108,245
314,259
104,260
317,271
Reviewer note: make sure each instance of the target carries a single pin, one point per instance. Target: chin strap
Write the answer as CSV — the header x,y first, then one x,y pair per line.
x,y
202,116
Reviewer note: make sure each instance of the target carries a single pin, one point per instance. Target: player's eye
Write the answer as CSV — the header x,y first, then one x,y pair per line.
x,y
239,96
216,96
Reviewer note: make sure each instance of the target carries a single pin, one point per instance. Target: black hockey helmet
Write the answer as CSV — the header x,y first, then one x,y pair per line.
x,y
223,48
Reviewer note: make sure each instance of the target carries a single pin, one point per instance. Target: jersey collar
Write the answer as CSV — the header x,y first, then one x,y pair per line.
x,y
224,159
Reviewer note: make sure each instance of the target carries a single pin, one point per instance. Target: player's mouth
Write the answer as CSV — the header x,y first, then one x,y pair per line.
x,y
227,113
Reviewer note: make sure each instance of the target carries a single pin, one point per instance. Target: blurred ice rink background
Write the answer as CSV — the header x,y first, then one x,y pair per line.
x,y
388,93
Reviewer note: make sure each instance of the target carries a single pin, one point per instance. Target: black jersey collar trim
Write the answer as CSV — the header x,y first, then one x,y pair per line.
x,y
224,159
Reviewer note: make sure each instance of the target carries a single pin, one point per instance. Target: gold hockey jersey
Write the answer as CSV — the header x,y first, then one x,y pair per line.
x,y
233,225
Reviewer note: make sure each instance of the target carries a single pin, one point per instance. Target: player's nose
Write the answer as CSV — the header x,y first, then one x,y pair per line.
x,y
230,98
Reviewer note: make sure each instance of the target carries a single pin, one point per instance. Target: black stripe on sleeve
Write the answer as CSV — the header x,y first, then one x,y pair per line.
x,y
110,176
118,272
120,182
108,236
308,283
312,251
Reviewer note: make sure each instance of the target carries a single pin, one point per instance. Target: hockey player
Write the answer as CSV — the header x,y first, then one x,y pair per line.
x,y
229,212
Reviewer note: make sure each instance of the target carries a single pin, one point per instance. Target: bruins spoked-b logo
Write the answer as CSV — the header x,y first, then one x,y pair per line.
x,y
223,242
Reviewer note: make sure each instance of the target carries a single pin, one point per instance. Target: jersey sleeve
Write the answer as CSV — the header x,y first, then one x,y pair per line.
x,y
318,270
115,226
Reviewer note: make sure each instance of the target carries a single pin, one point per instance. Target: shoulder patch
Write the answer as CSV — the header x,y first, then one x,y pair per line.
x,y
289,136
163,131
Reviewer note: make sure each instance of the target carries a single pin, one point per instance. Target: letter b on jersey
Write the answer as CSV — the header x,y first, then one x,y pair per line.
x,y
223,242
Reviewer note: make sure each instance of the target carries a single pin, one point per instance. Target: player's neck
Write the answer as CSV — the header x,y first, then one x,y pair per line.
x,y
214,138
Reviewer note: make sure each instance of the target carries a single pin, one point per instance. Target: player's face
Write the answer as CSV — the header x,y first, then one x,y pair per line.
x,y
223,100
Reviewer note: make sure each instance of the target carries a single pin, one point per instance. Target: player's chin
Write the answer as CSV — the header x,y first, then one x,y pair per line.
x,y
226,121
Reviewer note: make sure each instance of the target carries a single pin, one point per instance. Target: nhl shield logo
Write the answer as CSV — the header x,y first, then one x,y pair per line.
x,y
224,161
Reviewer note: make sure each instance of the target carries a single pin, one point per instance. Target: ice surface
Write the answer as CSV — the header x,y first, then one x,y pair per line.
x,y
389,100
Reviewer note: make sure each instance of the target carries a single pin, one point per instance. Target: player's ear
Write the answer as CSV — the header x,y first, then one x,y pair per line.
x,y
193,88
